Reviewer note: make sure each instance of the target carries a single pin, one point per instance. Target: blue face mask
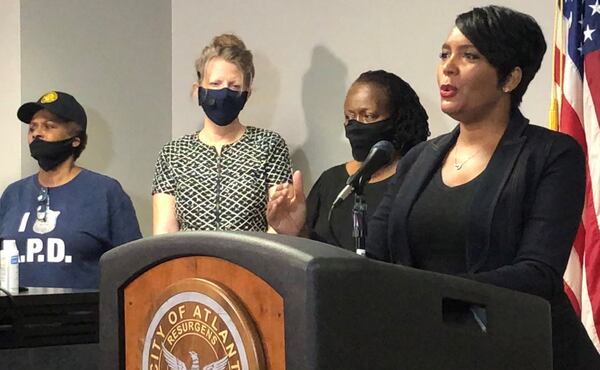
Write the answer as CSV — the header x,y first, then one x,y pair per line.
x,y
222,106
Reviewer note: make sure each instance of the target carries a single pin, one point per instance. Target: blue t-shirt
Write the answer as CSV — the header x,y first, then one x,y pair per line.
x,y
85,218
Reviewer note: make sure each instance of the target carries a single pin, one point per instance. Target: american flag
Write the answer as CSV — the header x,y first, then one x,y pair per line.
x,y
575,110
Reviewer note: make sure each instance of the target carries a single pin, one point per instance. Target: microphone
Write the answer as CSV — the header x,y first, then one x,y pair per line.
x,y
379,156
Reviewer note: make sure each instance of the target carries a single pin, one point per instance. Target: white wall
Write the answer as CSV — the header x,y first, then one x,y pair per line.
x,y
309,51
10,92
130,62
114,56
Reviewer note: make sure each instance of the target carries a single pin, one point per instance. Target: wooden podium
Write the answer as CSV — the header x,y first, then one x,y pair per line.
x,y
216,300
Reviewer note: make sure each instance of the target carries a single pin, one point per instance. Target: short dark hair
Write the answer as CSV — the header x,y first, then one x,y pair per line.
x,y
403,103
508,39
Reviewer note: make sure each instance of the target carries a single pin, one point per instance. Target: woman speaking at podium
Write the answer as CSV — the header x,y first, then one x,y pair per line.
x,y
497,200
219,177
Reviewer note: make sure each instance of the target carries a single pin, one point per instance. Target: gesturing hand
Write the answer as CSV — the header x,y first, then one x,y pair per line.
x,y
286,210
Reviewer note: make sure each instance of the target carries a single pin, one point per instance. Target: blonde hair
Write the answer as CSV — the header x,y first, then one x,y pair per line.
x,y
231,49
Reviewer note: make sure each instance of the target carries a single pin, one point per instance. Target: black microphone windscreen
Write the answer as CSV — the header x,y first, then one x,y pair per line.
x,y
385,146
379,156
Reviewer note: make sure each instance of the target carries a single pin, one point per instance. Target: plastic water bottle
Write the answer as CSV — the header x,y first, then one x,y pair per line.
x,y
9,266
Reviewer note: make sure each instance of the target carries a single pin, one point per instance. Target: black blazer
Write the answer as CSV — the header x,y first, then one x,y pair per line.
x,y
522,221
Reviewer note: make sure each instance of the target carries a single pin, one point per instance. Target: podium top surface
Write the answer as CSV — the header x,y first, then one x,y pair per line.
x,y
278,259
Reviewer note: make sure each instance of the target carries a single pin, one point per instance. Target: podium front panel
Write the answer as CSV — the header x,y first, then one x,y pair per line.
x,y
202,310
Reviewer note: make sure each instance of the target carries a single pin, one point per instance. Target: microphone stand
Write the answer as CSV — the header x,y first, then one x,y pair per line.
x,y
379,155
359,219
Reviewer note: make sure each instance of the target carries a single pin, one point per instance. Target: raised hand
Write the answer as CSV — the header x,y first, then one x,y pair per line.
x,y
286,210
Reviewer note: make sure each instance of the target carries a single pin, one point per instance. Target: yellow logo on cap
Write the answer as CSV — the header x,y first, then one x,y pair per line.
x,y
49,97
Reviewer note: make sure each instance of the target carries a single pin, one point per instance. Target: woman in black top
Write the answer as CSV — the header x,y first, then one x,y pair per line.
x,y
497,200
379,106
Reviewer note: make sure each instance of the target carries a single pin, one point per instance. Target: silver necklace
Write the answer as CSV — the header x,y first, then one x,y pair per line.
x,y
459,165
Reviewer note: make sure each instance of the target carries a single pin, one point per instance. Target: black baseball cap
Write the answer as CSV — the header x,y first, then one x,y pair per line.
x,y
57,102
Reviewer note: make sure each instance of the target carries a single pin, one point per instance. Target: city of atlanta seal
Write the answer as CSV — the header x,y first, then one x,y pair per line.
x,y
200,325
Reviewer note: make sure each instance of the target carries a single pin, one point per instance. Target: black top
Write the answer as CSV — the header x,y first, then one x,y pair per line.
x,y
437,226
322,195
522,221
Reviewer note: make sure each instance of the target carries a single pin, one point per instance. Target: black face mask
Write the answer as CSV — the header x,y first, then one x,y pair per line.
x,y
363,136
222,106
50,154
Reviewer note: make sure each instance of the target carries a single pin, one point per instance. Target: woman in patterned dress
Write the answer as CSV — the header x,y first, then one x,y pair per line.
x,y
220,177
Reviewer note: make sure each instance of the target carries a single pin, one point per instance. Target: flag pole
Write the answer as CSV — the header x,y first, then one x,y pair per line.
x,y
553,114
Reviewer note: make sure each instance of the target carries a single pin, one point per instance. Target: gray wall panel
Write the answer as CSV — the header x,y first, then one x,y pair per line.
x,y
114,56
